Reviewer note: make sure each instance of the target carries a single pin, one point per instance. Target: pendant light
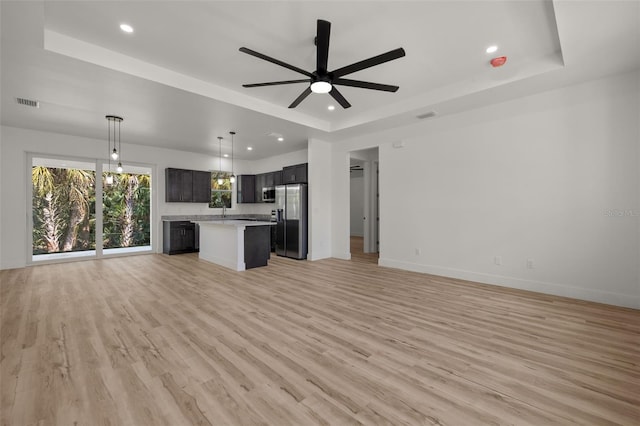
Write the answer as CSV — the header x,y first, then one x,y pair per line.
x,y
220,178
109,176
232,179
115,153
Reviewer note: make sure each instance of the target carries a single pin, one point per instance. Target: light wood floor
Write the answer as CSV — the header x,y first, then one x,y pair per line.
x,y
171,340
358,254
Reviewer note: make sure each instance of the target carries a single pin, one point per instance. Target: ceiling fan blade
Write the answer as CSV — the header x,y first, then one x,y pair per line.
x,y
365,85
368,63
275,61
275,83
339,98
322,46
300,98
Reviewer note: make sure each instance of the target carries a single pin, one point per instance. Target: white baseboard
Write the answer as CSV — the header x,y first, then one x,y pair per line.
x,y
12,264
318,255
556,289
344,255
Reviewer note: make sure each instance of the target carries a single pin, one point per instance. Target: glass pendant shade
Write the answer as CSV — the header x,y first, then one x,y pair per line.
x,y
113,140
220,179
232,179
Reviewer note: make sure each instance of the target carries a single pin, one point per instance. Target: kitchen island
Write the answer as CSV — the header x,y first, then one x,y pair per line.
x,y
235,244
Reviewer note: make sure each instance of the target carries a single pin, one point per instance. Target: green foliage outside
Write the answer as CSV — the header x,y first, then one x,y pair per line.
x,y
64,210
220,193
126,211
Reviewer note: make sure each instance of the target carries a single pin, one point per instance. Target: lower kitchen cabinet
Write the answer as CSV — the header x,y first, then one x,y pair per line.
x,y
179,237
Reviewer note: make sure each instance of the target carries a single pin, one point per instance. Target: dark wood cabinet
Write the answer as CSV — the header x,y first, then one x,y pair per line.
x,y
295,174
257,246
178,185
179,237
261,182
201,187
249,187
272,179
277,178
187,186
246,189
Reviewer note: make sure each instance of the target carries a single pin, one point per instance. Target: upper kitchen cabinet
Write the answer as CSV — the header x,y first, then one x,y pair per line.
x,y
261,182
246,187
187,186
272,179
201,187
295,174
277,178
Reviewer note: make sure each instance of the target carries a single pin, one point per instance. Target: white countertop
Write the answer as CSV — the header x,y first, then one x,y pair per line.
x,y
233,222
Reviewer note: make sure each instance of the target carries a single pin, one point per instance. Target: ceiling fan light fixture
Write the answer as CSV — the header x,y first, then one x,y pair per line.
x,y
492,49
321,87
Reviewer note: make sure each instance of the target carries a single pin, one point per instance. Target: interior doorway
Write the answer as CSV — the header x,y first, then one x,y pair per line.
x,y
364,205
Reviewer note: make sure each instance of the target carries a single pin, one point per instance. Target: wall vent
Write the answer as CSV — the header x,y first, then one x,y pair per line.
x,y
28,102
426,115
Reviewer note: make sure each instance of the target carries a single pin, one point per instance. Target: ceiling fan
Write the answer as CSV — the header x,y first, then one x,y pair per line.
x,y
324,81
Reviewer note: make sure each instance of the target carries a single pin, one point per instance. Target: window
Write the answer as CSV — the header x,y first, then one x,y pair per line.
x,y
126,209
77,212
220,193
63,208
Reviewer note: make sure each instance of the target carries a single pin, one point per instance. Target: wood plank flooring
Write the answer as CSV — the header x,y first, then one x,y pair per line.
x,y
358,254
172,340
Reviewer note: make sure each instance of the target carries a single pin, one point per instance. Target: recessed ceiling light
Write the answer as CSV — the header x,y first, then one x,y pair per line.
x,y
126,28
331,107
249,148
280,139
226,155
492,49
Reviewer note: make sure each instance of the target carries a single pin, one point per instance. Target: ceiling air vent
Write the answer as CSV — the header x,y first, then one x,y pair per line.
x,y
426,115
28,102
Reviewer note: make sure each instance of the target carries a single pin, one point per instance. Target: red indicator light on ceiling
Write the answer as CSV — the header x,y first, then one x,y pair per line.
x,y
499,61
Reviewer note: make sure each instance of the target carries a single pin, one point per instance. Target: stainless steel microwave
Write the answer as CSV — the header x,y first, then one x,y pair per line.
x,y
268,194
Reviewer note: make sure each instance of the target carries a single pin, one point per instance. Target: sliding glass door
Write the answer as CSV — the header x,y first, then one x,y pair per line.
x,y
63,208
126,210
68,205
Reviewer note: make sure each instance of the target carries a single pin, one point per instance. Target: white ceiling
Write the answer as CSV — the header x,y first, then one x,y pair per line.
x,y
177,79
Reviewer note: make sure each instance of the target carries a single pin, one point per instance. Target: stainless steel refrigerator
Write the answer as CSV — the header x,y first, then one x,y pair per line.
x,y
291,220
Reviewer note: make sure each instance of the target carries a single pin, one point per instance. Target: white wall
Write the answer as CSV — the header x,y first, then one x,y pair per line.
x,y
14,173
356,199
320,199
277,162
542,177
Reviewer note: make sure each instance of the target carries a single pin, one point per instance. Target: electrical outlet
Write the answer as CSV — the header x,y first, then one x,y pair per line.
x,y
529,263
497,260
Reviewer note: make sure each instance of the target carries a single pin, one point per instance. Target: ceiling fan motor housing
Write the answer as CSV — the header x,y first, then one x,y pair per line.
x,y
323,81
